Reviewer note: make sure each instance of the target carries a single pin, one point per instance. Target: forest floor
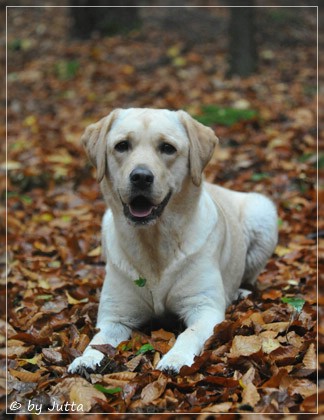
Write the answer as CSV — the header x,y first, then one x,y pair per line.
x,y
262,358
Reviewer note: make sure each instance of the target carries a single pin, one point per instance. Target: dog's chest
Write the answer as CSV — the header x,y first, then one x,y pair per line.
x,y
158,302
158,295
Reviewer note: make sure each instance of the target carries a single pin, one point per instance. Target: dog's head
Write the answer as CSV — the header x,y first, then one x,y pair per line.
x,y
146,155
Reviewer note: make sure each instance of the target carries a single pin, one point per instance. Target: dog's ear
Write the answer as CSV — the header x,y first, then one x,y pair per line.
x,y
202,143
94,140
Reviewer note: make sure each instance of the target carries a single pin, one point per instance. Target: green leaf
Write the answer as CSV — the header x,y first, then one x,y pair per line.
x,y
24,198
125,347
44,297
305,157
145,348
321,161
212,114
280,222
110,391
66,69
295,302
140,282
259,177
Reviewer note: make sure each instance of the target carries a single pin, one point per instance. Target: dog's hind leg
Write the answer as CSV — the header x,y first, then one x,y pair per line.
x,y
260,226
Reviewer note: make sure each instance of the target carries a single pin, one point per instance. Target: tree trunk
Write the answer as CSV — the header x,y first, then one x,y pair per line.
x,y
242,47
103,20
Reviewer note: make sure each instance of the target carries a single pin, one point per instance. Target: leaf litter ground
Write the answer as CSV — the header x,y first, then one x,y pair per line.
x,y
262,358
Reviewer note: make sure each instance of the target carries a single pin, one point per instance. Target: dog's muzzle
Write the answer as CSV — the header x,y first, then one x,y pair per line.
x,y
141,210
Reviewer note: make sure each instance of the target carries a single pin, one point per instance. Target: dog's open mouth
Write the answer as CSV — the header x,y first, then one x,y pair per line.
x,y
142,210
141,207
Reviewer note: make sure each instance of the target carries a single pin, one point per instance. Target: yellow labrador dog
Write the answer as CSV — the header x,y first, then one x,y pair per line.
x,y
192,243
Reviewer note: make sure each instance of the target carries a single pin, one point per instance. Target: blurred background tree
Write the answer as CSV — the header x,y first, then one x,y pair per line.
x,y
108,21
87,20
242,45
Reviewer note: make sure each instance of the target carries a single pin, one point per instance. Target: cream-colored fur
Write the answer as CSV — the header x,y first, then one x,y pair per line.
x,y
194,256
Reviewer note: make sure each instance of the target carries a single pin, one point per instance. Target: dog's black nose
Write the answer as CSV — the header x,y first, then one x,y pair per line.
x,y
141,178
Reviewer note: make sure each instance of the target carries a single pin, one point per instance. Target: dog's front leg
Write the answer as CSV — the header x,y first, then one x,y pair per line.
x,y
200,325
111,333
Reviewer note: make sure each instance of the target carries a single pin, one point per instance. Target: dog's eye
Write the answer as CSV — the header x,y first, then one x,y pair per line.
x,y
167,148
122,146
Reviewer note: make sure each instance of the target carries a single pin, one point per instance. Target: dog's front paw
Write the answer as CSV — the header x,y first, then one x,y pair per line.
x,y
173,361
90,359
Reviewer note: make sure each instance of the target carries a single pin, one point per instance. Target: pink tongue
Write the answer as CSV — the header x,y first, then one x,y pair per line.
x,y
140,213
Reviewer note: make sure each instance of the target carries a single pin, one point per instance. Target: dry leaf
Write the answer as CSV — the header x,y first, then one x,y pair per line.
x,y
248,376
269,344
309,360
276,326
73,301
27,376
96,252
245,345
218,408
154,390
303,387
134,362
119,378
77,390
250,395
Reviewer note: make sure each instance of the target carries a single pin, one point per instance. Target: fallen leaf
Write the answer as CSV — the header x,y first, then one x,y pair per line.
x,y
309,360
154,390
245,345
250,395
73,301
118,379
27,376
269,344
248,376
77,390
53,356
303,387
218,408
96,252
282,250
276,326
134,362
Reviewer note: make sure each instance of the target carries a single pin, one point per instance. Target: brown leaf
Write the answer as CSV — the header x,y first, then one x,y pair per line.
x,y
73,301
272,294
275,380
309,360
79,391
250,395
303,387
220,381
276,326
53,356
269,344
248,376
245,345
309,405
32,339
284,355
134,362
26,376
218,408
17,348
106,349
119,378
154,390
162,335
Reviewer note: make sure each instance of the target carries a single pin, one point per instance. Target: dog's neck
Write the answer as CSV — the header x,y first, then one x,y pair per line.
x,y
170,239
